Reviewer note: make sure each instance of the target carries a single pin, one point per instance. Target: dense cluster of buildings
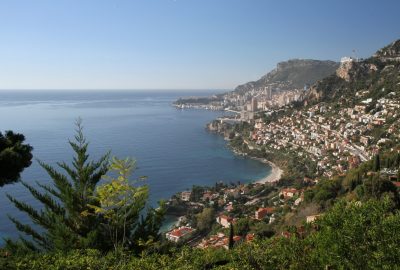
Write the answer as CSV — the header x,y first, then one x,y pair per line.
x,y
247,196
336,140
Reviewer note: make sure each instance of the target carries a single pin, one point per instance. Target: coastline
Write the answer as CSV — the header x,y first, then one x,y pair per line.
x,y
274,176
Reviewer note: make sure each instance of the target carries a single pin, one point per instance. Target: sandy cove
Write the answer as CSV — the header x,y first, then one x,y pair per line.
x,y
274,176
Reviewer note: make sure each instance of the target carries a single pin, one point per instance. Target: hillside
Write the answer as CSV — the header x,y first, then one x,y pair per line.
x,y
288,78
293,74
375,77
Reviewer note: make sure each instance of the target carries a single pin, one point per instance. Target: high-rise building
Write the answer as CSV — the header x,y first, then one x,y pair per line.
x,y
254,104
268,92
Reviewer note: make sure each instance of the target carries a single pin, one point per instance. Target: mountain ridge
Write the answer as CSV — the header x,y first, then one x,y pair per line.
x,y
295,72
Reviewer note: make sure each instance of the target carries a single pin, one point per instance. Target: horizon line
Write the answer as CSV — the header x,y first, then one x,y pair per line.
x,y
116,89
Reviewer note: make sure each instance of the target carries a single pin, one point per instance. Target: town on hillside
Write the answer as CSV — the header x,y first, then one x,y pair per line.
x,y
337,138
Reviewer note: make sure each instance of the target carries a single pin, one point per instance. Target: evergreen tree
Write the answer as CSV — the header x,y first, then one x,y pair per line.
x,y
231,241
14,156
377,163
62,224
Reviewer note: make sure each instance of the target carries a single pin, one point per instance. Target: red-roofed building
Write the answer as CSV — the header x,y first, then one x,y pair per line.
x,y
263,212
218,241
180,234
288,192
250,237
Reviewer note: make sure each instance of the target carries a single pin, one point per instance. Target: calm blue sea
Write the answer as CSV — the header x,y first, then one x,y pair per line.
x,y
171,146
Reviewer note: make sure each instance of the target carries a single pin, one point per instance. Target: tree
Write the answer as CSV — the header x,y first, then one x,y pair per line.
x,y
231,241
15,156
358,235
377,163
120,204
242,226
197,193
205,219
63,227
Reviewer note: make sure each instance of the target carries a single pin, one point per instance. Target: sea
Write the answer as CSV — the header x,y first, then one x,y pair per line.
x,y
171,146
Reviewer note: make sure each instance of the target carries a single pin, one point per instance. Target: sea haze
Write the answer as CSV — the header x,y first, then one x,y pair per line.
x,y
171,146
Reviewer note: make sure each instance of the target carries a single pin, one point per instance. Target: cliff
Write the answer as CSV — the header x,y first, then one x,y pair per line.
x,y
375,75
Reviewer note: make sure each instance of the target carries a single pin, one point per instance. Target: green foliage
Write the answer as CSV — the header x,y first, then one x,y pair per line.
x,y
325,191
205,219
119,204
14,156
242,226
197,193
358,235
78,214
352,180
352,235
63,227
375,187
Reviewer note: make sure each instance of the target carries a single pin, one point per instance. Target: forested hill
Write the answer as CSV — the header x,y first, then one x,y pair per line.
x,y
293,74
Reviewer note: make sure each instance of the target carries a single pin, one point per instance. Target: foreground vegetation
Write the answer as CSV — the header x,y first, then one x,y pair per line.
x,y
87,223
352,235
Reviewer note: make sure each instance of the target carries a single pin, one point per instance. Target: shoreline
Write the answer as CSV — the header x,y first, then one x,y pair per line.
x,y
274,176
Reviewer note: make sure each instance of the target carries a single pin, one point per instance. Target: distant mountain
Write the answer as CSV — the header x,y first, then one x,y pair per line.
x,y
293,74
289,75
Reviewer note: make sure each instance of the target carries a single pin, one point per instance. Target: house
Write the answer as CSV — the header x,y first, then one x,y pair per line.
x,y
180,234
310,219
224,221
263,212
288,192
218,241
250,237
185,195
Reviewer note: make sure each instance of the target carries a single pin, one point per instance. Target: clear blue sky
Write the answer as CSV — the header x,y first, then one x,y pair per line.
x,y
185,44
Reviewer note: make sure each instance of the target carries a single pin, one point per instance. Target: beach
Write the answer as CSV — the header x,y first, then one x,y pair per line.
x,y
274,176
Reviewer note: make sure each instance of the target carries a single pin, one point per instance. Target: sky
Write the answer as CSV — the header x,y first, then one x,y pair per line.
x,y
179,44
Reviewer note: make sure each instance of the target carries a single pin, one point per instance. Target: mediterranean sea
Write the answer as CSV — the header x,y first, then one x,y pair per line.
x,y
171,146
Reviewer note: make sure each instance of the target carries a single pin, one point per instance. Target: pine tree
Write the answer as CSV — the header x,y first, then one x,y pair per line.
x,y
231,241
62,224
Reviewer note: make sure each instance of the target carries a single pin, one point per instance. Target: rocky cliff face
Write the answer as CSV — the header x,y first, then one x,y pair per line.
x,y
350,70
293,74
381,71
